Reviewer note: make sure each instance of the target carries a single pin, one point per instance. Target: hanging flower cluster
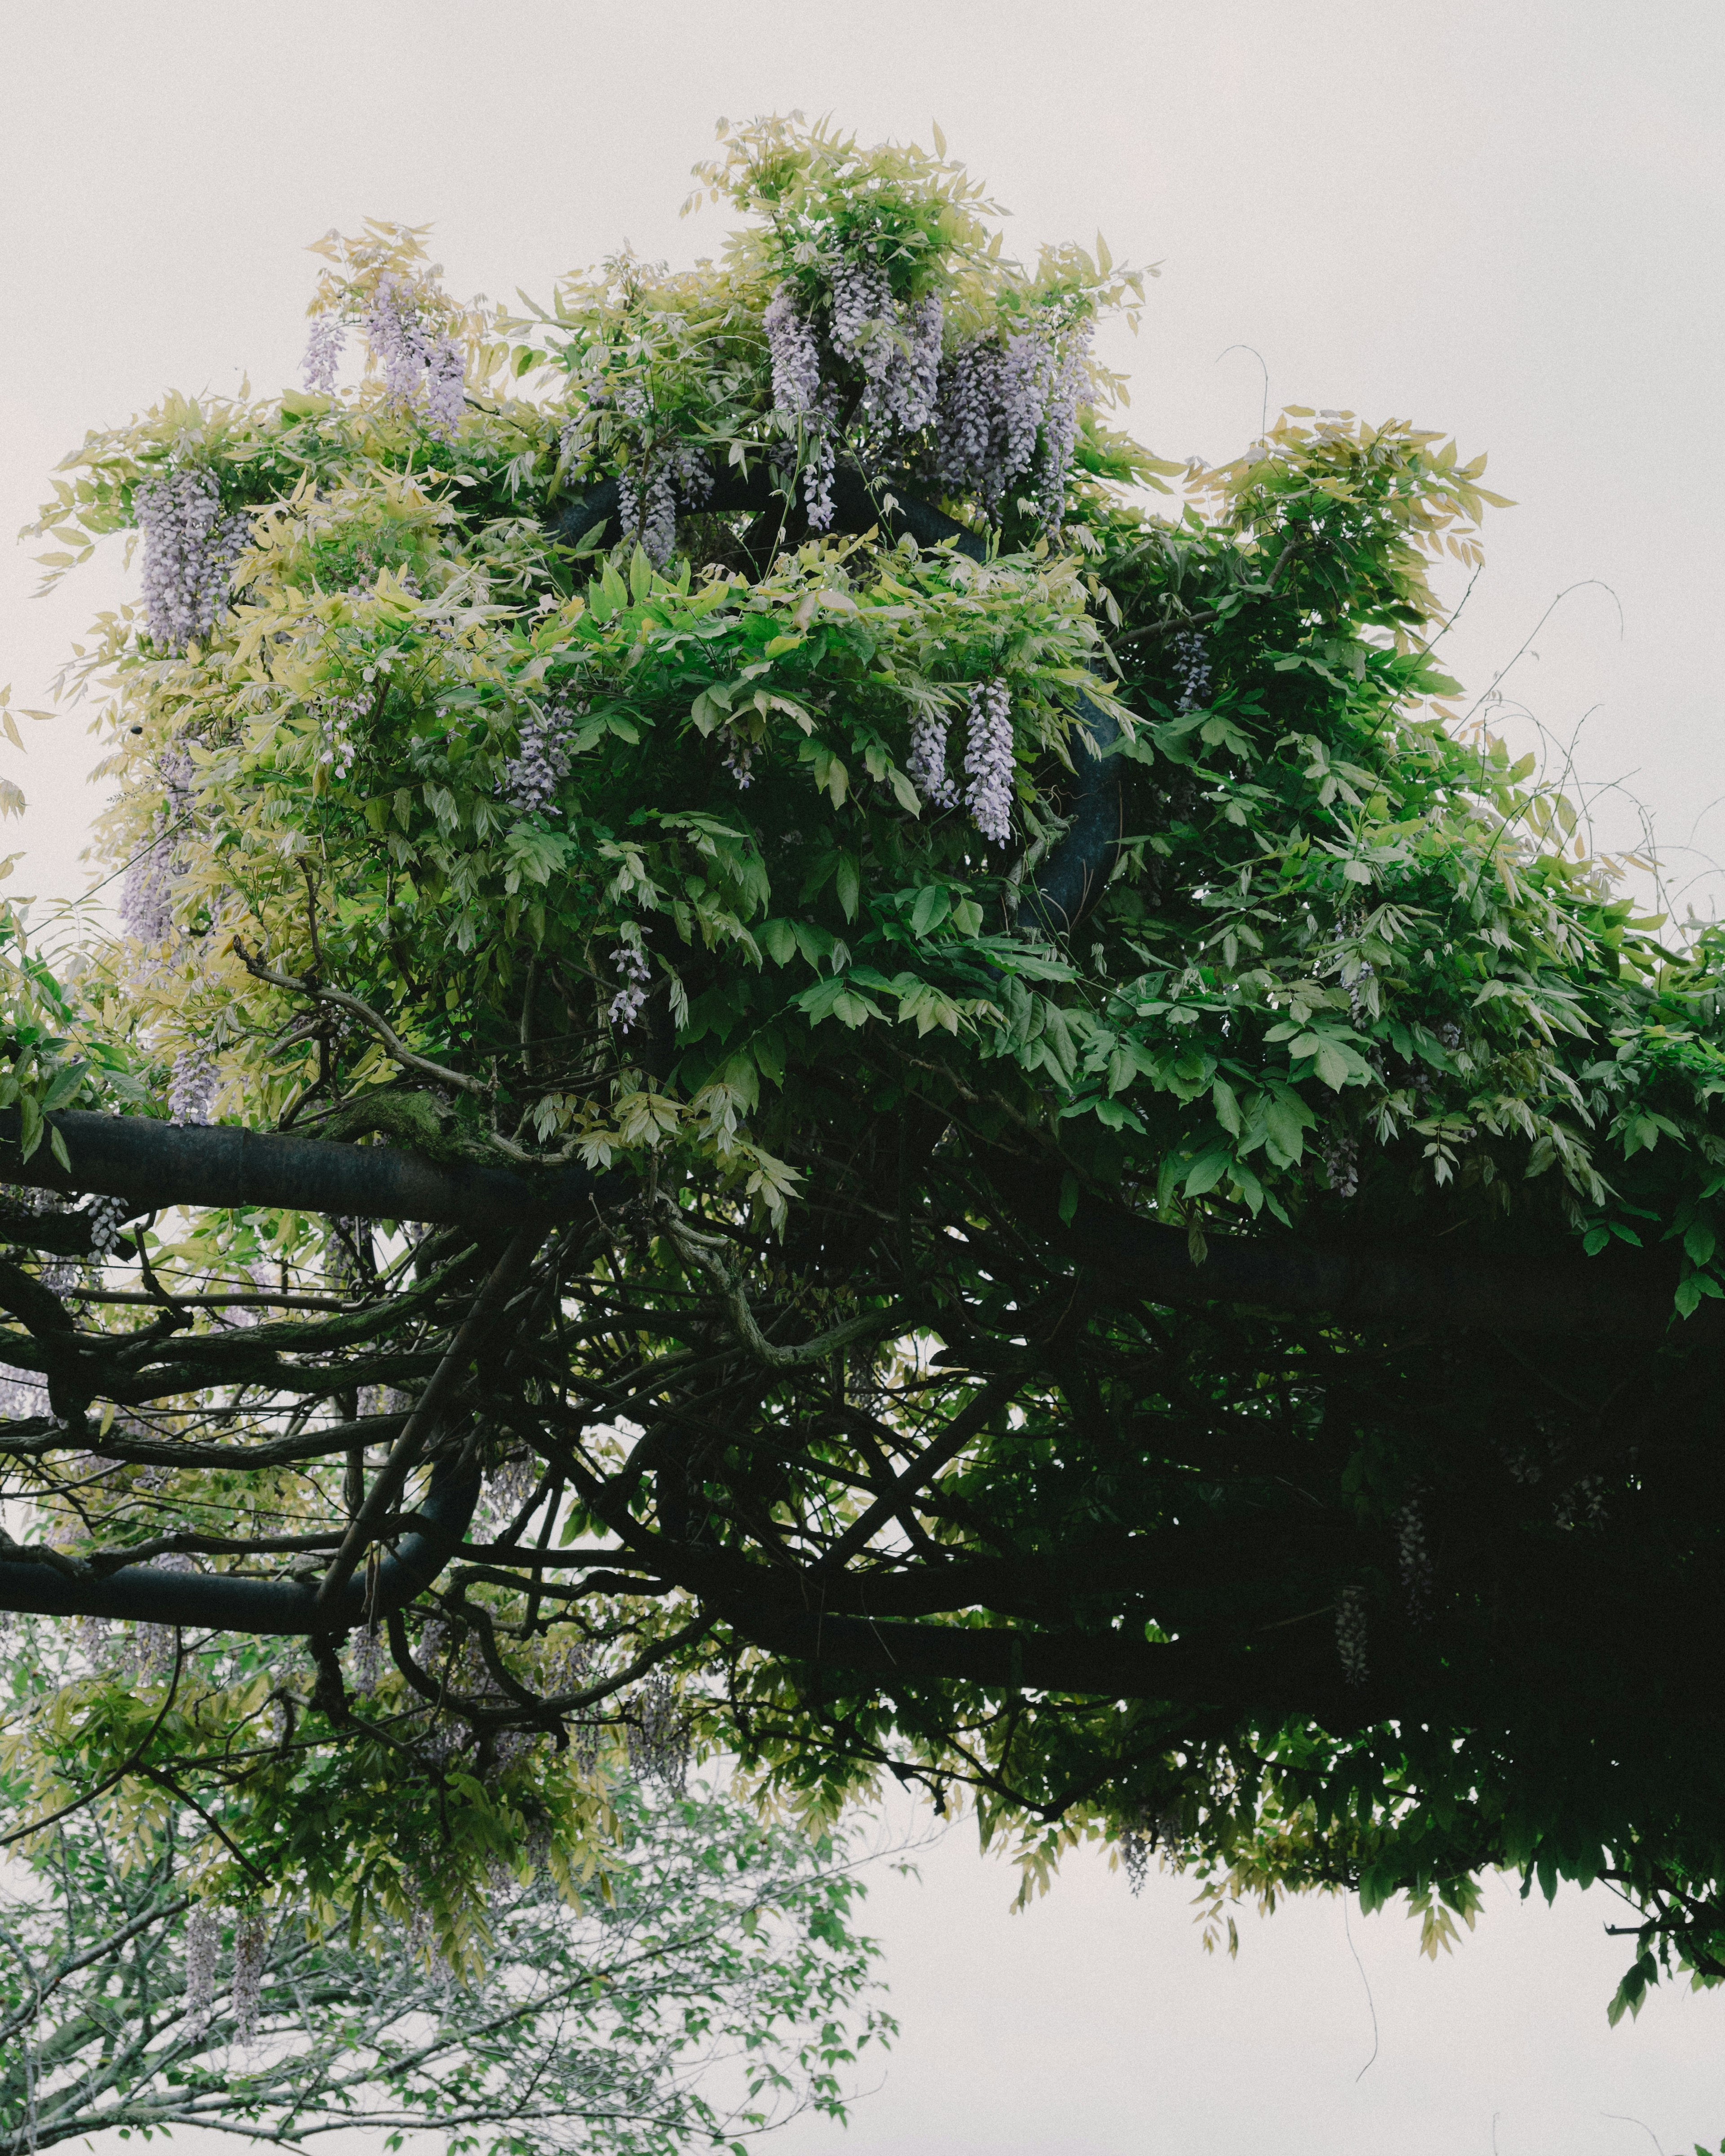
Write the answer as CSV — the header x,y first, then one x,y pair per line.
x,y
799,395
987,760
203,1940
191,1085
1192,671
540,765
422,367
190,548
250,1940
1351,1634
634,973
997,397
898,352
926,763
648,507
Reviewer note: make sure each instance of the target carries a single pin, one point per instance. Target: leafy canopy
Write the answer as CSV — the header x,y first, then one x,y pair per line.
x,y
604,777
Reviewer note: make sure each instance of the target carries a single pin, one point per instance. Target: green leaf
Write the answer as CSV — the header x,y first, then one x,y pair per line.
x,y
934,903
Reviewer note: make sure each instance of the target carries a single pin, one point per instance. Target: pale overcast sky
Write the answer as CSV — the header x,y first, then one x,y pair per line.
x,y
1499,219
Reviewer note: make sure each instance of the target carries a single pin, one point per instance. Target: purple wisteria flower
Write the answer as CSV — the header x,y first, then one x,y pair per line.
x,y
411,362
191,1085
189,551
987,760
396,341
998,400
799,393
634,973
862,312
323,354
1060,426
796,357
445,388
540,763
1192,671
926,763
203,1940
250,1939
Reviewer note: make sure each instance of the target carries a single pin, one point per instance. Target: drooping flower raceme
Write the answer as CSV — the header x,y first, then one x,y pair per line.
x,y
998,400
1021,385
862,302
965,424
204,1939
1059,424
396,341
796,357
911,385
1351,1634
323,354
445,388
533,774
191,1085
250,1938
412,361
799,393
987,760
189,551
1192,671
926,763
633,971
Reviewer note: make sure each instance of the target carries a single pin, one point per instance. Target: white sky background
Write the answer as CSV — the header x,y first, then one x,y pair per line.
x,y
1499,219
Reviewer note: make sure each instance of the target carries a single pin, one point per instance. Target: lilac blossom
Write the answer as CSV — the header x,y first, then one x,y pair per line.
x,y
397,342
799,393
445,388
204,1939
911,385
323,354
250,1939
987,760
796,357
926,763
1192,671
410,361
659,1734
1351,1634
540,763
189,551
633,973
1060,426
191,1085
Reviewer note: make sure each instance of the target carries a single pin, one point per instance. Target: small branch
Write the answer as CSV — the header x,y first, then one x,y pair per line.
x,y
339,1000
707,1252
427,1412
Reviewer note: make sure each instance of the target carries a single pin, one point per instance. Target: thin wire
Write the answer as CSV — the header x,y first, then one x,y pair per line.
x,y
1264,415
1646,2128
1348,1928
